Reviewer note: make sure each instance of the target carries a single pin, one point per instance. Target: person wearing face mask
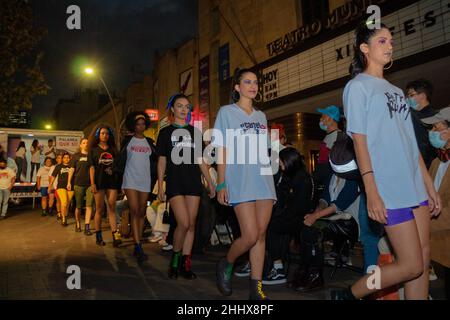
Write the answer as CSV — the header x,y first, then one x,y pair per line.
x,y
328,123
439,137
419,94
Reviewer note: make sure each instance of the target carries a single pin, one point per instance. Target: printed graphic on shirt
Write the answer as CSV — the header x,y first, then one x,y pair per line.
x,y
396,104
184,141
253,128
140,149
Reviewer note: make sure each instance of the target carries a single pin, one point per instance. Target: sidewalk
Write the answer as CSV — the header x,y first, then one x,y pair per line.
x,y
36,252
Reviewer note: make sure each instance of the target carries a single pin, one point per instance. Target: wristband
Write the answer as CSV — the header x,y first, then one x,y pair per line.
x,y
366,173
220,186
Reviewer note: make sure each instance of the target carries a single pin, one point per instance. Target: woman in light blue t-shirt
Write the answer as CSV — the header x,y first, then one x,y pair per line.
x,y
245,178
400,192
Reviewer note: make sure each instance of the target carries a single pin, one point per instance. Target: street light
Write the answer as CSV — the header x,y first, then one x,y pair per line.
x,y
48,126
91,71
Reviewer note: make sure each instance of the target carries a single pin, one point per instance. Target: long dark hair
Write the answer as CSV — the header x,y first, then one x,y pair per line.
x,y
237,77
35,144
363,34
293,162
94,137
21,145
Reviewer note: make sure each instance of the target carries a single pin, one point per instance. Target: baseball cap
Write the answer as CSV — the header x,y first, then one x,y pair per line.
x,y
442,115
331,111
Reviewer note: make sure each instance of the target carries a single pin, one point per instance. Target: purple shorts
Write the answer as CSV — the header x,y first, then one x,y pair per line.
x,y
397,216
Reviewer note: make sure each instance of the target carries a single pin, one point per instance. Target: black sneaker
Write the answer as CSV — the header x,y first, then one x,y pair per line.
x,y
185,268
139,254
275,276
87,230
243,270
223,279
342,294
117,239
99,239
2,217
256,291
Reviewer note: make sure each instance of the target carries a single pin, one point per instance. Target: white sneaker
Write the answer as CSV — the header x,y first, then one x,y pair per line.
x,y
167,248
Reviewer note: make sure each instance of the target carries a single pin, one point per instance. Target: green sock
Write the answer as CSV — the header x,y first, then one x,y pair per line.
x,y
229,270
175,259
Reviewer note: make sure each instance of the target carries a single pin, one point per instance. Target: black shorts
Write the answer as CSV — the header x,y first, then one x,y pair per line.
x,y
184,188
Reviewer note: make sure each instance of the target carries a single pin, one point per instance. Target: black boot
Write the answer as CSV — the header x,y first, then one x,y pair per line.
x,y
174,265
185,269
99,238
87,230
342,294
117,238
313,279
256,291
224,271
139,253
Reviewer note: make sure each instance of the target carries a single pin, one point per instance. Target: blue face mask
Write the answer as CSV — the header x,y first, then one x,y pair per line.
x,y
435,139
323,126
412,103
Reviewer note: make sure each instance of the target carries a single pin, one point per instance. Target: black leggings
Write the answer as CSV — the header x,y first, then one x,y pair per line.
x,y
34,165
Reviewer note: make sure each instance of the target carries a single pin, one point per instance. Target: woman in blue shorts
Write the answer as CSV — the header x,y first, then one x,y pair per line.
x,y
245,180
400,192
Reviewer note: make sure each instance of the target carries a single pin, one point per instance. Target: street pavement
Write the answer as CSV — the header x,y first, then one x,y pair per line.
x,y
35,253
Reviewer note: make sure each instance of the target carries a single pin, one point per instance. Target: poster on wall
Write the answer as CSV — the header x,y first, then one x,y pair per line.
x,y
224,62
67,144
4,141
204,91
186,82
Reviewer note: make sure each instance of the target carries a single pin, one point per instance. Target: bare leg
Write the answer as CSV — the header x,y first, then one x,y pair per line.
x,y
193,203
417,289
99,206
181,213
246,215
408,263
257,252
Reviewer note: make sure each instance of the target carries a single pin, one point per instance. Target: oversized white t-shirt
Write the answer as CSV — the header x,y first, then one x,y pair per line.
x,y
44,173
248,176
377,109
6,176
137,170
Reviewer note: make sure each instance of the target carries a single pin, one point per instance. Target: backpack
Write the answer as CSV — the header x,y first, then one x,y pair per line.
x,y
342,158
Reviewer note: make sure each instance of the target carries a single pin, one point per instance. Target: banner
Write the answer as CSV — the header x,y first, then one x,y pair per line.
x,y
67,144
4,142
204,91
224,62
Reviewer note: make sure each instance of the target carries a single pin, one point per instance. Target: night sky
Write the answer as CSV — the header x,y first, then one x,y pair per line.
x,y
120,36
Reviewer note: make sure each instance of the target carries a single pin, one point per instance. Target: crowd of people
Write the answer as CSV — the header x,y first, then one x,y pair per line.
x,y
401,147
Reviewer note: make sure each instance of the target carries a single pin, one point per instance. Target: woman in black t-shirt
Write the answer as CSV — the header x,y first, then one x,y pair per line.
x,y
64,187
180,152
82,187
101,156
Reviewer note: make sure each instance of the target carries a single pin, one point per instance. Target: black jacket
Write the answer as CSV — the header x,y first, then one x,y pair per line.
x,y
420,129
121,160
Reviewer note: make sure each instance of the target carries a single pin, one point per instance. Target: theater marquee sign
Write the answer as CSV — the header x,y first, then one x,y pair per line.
x,y
418,27
340,16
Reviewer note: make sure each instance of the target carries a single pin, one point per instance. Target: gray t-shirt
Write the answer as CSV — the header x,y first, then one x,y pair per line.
x,y
377,109
248,172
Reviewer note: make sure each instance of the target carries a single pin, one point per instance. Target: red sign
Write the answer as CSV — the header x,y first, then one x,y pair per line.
x,y
153,114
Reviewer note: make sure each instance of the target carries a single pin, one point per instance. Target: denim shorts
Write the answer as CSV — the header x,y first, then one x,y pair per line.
x,y
44,191
397,216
